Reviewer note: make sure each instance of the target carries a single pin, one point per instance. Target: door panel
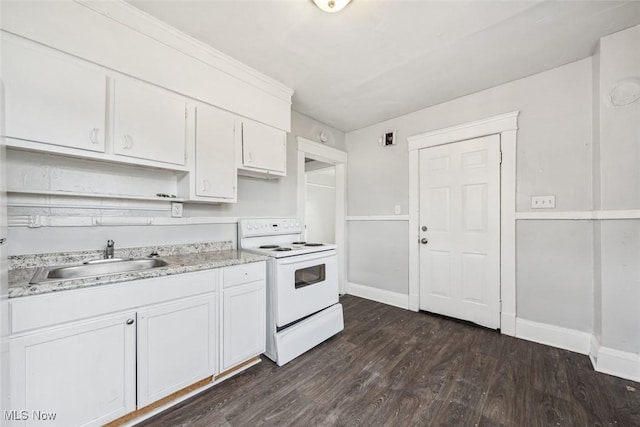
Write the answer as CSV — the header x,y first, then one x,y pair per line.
x,y
51,98
460,250
216,174
83,373
176,346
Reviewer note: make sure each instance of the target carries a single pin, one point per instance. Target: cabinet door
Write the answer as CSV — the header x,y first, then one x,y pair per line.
x,y
149,123
78,375
52,98
216,173
176,346
264,147
244,325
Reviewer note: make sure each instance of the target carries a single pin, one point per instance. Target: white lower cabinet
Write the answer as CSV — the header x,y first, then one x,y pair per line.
x,y
244,313
88,357
176,346
82,374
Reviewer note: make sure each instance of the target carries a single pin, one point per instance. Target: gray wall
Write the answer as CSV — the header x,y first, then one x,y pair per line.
x,y
256,197
553,274
553,157
618,184
376,256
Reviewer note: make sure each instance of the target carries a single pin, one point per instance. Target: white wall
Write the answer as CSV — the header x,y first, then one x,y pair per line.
x,y
553,157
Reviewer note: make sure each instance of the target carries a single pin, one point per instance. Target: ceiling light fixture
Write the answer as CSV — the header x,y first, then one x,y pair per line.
x,y
331,6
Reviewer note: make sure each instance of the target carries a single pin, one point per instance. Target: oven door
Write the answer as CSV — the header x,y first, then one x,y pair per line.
x,y
304,285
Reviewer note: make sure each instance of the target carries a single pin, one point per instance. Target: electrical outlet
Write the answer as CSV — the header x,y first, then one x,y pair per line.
x,y
397,210
176,210
543,202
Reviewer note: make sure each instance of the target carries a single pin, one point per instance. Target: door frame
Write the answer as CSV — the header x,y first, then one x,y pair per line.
x,y
506,125
316,151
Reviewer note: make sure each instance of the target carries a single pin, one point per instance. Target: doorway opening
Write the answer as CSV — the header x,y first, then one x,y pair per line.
x,y
323,185
320,201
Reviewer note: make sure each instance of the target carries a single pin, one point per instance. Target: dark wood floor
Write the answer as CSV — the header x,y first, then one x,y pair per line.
x,y
392,367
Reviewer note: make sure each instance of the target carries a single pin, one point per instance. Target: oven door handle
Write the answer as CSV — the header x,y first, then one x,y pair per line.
x,y
309,257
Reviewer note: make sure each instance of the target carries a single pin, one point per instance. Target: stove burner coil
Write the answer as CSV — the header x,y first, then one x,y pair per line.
x,y
298,243
269,247
314,244
282,249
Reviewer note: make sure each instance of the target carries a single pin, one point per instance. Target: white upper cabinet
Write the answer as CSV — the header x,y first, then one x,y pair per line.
x,y
149,123
264,149
51,98
216,172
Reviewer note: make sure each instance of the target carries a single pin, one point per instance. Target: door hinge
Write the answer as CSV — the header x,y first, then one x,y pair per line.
x,y
501,157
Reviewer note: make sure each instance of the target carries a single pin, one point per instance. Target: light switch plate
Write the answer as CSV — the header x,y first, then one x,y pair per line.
x,y
176,210
543,202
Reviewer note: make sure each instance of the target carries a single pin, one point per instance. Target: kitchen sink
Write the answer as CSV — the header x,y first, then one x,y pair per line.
x,y
95,268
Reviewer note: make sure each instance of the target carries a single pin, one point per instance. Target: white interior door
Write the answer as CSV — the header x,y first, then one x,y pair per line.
x,y
460,230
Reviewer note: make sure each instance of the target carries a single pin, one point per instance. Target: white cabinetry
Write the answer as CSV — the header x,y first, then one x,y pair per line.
x,y
264,149
244,311
72,356
176,346
215,177
51,98
81,374
149,123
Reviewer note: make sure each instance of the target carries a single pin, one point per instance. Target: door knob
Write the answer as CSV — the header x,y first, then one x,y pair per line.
x,y
130,322
424,228
424,241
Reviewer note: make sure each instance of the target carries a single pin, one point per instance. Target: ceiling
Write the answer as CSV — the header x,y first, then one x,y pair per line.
x,y
377,60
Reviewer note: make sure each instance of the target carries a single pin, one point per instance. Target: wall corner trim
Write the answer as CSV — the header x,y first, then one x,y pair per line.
x,y
508,324
556,336
380,295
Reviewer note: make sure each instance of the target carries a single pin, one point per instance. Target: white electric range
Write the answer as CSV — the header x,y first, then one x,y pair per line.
x,y
302,286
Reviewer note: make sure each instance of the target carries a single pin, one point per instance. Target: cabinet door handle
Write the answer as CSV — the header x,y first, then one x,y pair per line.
x,y
128,142
130,322
205,185
93,136
250,157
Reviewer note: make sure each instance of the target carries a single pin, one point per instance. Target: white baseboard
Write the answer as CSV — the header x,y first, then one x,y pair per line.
x,y
380,295
555,336
615,362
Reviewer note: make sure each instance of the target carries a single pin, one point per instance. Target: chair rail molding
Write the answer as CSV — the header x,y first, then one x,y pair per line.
x,y
506,125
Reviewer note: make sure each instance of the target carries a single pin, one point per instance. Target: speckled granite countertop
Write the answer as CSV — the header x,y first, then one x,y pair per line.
x,y
181,258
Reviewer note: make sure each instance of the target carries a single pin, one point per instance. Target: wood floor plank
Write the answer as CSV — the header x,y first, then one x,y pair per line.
x,y
392,367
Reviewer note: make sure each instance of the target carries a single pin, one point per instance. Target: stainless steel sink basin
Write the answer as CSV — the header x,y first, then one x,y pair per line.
x,y
95,268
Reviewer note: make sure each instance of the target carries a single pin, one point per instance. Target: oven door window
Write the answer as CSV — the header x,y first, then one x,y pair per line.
x,y
309,276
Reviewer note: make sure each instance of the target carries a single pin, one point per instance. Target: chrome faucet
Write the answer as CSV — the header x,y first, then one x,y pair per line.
x,y
108,253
